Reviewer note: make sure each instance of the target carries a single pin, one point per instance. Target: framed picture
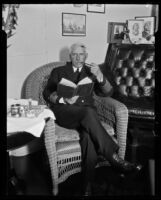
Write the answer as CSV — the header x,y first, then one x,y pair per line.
x,y
115,32
148,26
97,8
78,5
73,24
135,28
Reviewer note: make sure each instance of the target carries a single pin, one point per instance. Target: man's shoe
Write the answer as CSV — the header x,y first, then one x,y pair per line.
x,y
87,190
124,166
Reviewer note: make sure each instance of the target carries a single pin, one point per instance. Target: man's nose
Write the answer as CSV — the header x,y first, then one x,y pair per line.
x,y
77,57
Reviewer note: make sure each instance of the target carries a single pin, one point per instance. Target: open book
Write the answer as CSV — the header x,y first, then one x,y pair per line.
x,y
68,89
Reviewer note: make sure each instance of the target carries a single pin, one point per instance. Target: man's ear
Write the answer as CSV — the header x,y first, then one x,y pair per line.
x,y
70,57
86,55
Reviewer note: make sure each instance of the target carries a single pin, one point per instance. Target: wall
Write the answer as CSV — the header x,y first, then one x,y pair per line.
x,y
38,39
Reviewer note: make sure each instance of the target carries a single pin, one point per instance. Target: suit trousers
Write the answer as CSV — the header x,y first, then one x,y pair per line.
x,y
94,139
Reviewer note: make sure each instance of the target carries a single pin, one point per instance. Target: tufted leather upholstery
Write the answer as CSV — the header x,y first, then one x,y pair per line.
x,y
131,69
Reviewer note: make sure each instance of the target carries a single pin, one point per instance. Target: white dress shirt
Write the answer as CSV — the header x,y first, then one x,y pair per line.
x,y
61,100
75,69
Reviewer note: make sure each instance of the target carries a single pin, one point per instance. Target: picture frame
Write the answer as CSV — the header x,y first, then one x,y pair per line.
x,y
148,26
78,5
135,28
73,24
96,8
115,32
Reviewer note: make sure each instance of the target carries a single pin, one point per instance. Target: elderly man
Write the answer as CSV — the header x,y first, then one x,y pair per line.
x,y
78,112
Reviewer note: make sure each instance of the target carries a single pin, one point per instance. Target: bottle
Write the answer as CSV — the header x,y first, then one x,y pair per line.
x,y
21,111
15,110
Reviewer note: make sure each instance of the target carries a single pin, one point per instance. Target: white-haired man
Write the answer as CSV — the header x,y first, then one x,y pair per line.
x,y
79,113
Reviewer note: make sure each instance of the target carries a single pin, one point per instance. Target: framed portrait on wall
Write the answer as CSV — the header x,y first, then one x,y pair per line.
x,y
73,24
135,28
148,26
78,5
115,32
97,8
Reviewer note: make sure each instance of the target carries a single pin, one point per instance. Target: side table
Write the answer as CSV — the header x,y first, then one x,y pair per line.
x,y
21,146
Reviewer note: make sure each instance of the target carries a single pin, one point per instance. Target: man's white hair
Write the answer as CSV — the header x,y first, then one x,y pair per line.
x,y
75,45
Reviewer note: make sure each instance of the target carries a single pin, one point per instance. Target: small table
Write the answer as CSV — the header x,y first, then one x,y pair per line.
x,y
24,137
21,130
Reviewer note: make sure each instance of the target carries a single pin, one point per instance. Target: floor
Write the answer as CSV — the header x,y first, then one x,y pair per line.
x,y
107,182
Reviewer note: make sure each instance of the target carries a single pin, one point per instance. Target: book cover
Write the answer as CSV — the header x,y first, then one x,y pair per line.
x,y
68,89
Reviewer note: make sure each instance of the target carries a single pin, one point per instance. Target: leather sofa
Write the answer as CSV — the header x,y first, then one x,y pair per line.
x,y
131,70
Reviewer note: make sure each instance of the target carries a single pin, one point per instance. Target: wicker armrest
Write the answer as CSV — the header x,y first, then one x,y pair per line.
x,y
49,135
115,114
105,111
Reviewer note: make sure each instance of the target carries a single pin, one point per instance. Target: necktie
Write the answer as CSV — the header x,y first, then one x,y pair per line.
x,y
77,76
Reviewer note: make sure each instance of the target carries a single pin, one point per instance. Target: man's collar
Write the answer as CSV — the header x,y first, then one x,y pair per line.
x,y
75,69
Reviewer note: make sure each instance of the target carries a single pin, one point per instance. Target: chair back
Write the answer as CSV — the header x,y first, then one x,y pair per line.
x,y
36,81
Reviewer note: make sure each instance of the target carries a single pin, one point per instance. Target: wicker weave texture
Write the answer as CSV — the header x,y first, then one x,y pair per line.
x,y
67,161
36,81
114,113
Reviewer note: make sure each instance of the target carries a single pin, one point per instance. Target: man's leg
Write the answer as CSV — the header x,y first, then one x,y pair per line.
x,y
72,116
103,142
89,160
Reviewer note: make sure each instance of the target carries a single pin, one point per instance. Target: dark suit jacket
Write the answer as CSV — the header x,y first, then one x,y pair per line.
x,y
66,71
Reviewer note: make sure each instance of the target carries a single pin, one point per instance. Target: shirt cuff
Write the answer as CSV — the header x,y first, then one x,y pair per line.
x,y
102,82
61,100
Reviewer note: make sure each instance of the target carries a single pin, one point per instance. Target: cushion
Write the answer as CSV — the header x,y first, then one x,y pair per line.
x,y
64,134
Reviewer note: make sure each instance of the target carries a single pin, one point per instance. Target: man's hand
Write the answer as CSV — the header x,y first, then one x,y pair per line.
x,y
71,100
53,97
95,70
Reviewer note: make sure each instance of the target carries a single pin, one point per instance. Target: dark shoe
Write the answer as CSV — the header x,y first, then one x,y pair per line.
x,y
18,185
87,189
124,166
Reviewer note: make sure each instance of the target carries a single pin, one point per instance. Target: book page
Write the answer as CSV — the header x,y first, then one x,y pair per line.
x,y
84,81
67,82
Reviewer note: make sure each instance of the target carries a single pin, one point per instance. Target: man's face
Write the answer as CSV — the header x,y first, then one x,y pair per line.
x,y
78,57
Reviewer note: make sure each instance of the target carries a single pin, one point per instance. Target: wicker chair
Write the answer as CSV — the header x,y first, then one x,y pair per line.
x,y
62,145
